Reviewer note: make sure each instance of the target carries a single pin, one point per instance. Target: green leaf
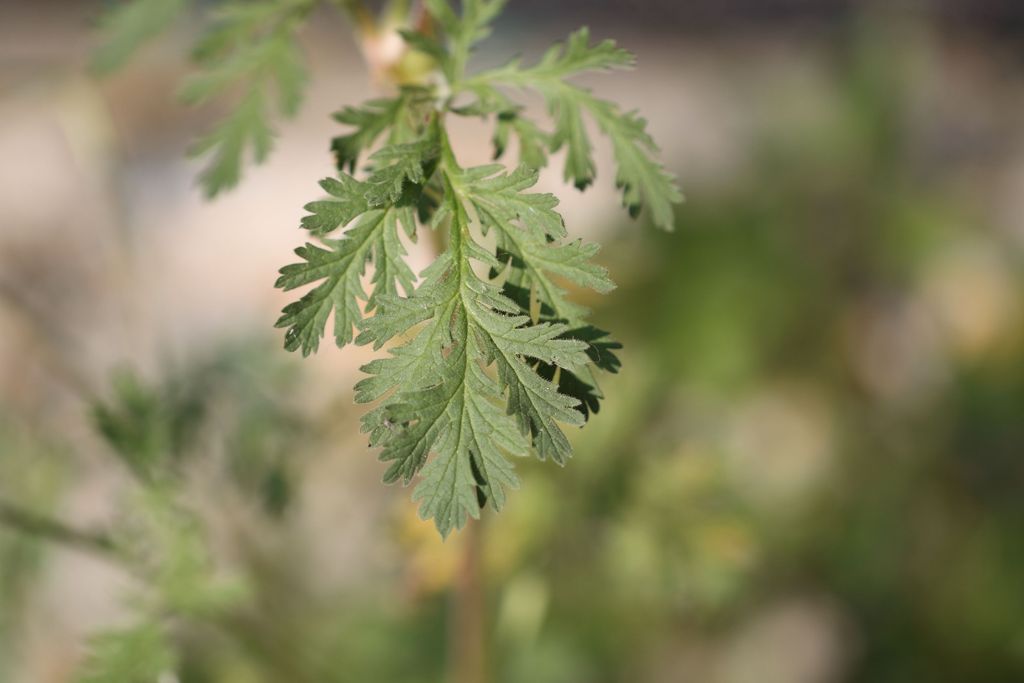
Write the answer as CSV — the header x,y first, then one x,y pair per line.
x,y
533,142
376,207
140,654
463,31
481,369
471,440
348,200
128,25
582,384
252,48
427,44
444,401
245,130
164,542
644,182
339,268
559,62
577,55
528,228
148,427
372,120
394,166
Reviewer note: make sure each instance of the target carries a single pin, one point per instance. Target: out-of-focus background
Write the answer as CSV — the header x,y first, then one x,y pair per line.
x,y
810,469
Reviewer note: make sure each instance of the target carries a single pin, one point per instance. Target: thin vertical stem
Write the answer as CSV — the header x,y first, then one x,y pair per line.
x,y
49,529
467,652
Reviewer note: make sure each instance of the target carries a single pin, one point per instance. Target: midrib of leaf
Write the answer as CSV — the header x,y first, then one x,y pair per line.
x,y
453,456
459,454
525,376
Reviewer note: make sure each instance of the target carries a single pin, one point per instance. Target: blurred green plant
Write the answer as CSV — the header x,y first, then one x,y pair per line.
x,y
250,47
158,534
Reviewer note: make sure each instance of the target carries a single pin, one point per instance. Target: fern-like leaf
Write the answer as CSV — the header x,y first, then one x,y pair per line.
x,y
490,355
445,401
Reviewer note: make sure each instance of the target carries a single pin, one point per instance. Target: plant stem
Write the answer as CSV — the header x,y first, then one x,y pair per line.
x,y
466,642
49,529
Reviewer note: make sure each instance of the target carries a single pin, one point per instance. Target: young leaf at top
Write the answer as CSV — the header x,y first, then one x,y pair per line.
x,y
462,31
641,178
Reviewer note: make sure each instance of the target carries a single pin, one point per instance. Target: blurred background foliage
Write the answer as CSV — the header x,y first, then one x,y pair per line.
x,y
811,467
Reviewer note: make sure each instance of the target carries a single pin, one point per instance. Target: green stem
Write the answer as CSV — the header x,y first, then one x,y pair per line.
x,y
467,651
49,529
467,660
